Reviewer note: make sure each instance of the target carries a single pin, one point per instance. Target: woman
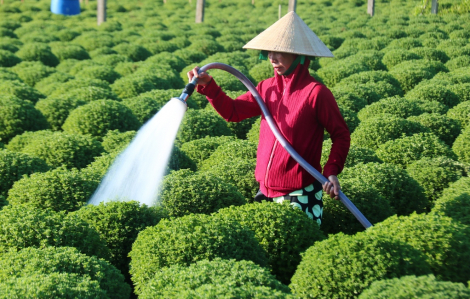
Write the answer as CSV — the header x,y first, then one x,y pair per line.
x,y
301,107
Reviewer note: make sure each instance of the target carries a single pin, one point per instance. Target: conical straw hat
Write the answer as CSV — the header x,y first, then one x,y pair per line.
x,y
290,35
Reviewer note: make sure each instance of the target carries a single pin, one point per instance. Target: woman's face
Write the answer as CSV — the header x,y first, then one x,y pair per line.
x,y
281,61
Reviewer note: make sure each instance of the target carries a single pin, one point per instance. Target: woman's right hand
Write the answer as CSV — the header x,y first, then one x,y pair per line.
x,y
204,77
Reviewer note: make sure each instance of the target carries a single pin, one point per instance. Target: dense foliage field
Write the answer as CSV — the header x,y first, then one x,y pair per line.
x,y
73,95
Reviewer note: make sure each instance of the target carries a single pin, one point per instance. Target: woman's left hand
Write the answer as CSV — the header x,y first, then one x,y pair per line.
x,y
332,187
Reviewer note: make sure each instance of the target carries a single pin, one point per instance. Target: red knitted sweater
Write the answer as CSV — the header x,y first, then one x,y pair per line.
x,y
302,108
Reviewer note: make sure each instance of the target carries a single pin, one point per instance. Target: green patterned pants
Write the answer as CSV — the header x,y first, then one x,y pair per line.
x,y
308,199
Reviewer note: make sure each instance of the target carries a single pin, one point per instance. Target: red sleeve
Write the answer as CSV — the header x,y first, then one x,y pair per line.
x,y
330,117
233,110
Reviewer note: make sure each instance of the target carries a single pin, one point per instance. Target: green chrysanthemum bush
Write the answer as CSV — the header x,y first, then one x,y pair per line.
x,y
375,131
198,124
98,117
447,129
42,286
462,90
410,73
355,156
188,239
179,160
430,91
119,223
58,189
343,266
391,182
63,149
397,56
218,278
404,151
104,73
14,165
190,56
461,113
38,52
353,97
458,62
18,116
31,72
228,151
455,201
435,174
66,50
116,141
336,71
175,61
27,226
80,65
19,142
461,146
415,287
134,52
396,106
94,40
337,218
184,192
283,231
20,90
132,85
65,260
48,84
7,74
8,59
444,242
262,71
57,109
199,150
431,54
372,77
405,43
64,88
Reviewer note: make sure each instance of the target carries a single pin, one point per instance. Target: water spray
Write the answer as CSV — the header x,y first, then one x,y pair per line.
x,y
189,89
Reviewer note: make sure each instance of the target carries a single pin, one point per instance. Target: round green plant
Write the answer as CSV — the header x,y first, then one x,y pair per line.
x,y
198,124
447,129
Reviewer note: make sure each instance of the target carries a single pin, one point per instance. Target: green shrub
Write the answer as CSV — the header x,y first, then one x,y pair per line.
x,y
404,151
239,279
19,142
102,51
391,182
199,150
461,146
184,192
338,70
111,60
373,132
458,62
58,189
432,107
410,73
415,287
190,56
434,92
198,124
405,43
431,54
66,260
253,133
8,59
331,41
65,87
27,226
38,52
56,110
91,93
435,174
188,239
63,149
346,265
350,117
280,229
262,71
31,72
80,65
65,51
7,74
461,113
356,154
372,77
143,107
443,241
14,166
206,46
45,86
134,52
104,73
98,117
397,56
396,106
228,151
118,224
447,129
462,91
455,202
42,286
175,61
337,218
18,116
20,90
67,34
132,86
116,141
94,40
352,97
